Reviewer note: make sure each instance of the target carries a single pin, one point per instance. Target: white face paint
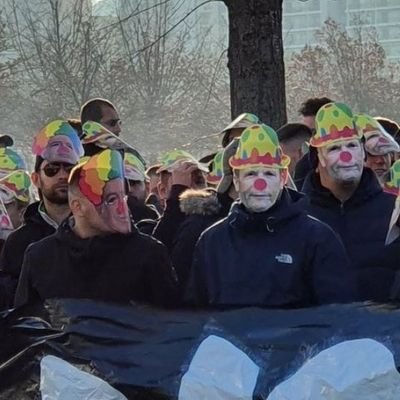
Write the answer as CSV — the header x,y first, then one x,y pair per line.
x,y
343,161
259,187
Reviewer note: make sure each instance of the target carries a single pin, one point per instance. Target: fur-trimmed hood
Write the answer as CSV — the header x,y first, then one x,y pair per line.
x,y
199,202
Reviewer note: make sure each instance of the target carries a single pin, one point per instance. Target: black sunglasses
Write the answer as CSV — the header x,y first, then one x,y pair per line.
x,y
54,168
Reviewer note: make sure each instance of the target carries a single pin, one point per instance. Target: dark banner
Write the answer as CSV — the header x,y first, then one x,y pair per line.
x,y
144,353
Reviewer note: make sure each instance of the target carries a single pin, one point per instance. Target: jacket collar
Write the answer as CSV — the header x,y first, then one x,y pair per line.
x,y
368,187
288,206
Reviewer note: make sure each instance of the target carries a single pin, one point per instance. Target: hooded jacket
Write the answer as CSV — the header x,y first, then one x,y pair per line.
x,y
279,258
113,267
362,222
202,208
33,229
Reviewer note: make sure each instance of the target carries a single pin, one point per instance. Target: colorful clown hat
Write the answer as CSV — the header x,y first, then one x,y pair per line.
x,y
174,158
95,133
259,147
15,186
10,160
242,121
393,184
96,172
334,122
216,173
134,168
58,141
378,142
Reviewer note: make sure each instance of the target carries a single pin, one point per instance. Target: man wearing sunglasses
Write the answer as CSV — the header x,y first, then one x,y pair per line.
x,y
57,149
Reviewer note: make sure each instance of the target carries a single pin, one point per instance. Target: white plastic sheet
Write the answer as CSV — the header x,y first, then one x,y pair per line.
x,y
219,371
62,381
360,369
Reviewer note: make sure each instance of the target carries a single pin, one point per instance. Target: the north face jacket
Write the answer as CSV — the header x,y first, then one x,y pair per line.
x,y
279,258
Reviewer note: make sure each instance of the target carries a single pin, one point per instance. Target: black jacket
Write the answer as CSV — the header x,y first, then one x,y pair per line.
x,y
110,268
34,229
362,222
280,258
168,225
202,208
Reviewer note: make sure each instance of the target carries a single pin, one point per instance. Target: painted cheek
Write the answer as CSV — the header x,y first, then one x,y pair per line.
x,y
260,184
345,156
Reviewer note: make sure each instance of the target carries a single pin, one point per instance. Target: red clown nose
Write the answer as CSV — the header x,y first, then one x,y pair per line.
x,y
260,184
345,156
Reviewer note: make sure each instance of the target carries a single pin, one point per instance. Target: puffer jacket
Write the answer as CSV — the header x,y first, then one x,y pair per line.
x,y
279,258
362,222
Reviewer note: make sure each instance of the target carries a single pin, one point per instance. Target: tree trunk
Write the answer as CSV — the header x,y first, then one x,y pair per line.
x,y
255,59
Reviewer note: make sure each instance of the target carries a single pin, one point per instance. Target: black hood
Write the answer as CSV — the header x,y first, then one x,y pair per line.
x,y
368,187
32,215
91,252
289,206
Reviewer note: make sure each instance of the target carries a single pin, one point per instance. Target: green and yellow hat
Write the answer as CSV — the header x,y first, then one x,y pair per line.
x,y
334,122
377,141
134,168
259,147
242,121
393,184
15,186
172,159
217,172
10,160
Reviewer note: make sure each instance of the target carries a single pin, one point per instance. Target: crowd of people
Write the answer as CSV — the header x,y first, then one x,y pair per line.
x,y
302,216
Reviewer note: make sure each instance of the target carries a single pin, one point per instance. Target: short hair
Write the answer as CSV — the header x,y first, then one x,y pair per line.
x,y
91,110
389,125
73,181
38,162
289,132
311,106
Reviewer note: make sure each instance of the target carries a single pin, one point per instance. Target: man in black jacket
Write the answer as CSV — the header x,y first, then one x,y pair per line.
x,y
348,197
57,149
268,252
179,171
98,253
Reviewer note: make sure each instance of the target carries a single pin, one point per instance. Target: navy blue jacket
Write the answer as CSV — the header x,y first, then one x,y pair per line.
x,y
362,222
280,258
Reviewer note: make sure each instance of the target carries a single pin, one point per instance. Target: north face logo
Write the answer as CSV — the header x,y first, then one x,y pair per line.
x,y
284,259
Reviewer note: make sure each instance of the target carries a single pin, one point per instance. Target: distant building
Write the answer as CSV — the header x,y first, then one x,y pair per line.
x,y
301,20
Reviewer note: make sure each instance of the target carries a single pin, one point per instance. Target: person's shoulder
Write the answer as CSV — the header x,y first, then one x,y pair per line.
x,y
144,240
314,226
44,247
215,230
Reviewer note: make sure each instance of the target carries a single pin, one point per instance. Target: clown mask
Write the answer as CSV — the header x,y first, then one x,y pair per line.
x,y
259,187
60,149
343,160
113,210
112,214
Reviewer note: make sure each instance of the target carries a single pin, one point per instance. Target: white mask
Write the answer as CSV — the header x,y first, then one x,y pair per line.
x,y
259,187
343,161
